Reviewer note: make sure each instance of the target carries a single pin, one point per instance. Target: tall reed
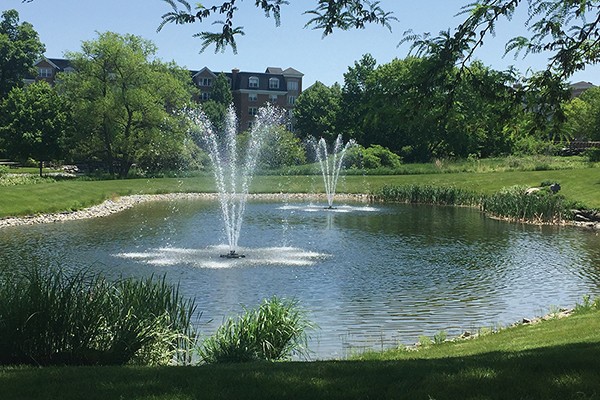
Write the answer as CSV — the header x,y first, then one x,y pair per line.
x,y
428,194
515,203
48,316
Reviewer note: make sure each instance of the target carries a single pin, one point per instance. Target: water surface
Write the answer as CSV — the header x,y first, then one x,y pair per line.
x,y
370,277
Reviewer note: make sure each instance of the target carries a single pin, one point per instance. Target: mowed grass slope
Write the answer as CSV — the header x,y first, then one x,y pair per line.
x,y
582,185
556,359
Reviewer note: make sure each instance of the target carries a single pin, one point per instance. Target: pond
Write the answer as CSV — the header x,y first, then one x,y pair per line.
x,y
370,277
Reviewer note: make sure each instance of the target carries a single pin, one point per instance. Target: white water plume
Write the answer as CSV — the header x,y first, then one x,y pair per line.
x,y
331,164
233,178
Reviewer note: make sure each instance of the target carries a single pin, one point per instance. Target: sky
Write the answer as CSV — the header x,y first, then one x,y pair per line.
x,y
63,24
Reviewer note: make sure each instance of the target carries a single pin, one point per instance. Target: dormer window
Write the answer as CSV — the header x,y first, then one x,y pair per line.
x,y
205,82
45,72
253,82
273,83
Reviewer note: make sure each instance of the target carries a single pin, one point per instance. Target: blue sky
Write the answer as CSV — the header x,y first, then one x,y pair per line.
x,y
63,24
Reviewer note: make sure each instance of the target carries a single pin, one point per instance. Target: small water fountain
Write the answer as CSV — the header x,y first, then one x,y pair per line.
x,y
331,164
232,178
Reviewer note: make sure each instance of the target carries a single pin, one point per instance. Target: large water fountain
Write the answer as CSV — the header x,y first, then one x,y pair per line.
x,y
233,178
331,164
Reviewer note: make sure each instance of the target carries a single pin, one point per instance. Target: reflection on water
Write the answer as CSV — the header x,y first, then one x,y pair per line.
x,y
370,277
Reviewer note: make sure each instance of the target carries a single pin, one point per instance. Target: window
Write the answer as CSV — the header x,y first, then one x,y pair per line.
x,y
45,72
252,97
291,100
205,96
273,98
253,82
252,111
292,85
273,83
205,82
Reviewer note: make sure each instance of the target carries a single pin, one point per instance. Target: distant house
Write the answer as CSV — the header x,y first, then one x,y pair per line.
x,y
252,90
580,87
47,68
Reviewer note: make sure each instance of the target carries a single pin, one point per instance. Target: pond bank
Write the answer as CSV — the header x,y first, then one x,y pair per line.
x,y
118,204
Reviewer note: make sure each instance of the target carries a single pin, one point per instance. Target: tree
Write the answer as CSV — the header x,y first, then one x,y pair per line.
x,y
583,116
355,97
317,110
280,149
326,16
34,123
567,31
421,112
127,107
220,100
20,47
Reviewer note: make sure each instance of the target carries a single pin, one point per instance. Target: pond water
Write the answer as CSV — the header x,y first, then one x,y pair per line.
x,y
370,277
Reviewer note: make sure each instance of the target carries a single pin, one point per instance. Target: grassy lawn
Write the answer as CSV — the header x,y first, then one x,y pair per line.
x,y
556,359
581,184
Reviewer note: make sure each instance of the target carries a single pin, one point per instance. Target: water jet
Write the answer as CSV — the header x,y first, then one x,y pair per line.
x,y
331,164
233,178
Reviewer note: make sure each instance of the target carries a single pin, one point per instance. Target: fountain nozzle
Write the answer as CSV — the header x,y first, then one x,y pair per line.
x,y
232,254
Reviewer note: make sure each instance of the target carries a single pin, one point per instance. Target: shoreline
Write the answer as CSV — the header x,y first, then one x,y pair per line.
x,y
122,203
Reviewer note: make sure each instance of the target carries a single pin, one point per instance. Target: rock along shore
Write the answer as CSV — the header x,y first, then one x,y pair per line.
x,y
119,204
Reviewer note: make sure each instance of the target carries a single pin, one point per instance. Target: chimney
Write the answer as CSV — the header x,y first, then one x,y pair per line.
x,y
234,73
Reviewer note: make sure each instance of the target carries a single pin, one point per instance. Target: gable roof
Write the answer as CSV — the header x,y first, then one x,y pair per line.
x,y
293,72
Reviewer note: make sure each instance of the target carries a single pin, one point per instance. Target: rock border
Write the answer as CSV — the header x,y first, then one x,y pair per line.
x,y
118,204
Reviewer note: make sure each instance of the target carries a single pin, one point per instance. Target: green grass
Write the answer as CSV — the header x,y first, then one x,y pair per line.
x,y
581,185
556,359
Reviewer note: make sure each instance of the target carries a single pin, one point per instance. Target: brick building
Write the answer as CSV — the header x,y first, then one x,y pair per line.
x,y
251,90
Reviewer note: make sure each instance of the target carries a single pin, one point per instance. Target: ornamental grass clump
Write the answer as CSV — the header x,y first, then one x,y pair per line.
x,y
273,331
50,317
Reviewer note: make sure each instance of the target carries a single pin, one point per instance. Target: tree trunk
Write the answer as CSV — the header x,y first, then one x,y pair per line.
x,y
41,167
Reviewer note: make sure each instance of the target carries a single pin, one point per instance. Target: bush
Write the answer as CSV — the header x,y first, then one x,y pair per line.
x,y
593,154
273,331
3,170
23,179
48,317
372,157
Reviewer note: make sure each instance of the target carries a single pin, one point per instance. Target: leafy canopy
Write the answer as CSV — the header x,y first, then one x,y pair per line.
x,y
328,15
20,47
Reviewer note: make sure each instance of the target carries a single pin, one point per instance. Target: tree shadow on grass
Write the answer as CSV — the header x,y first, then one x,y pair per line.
x,y
560,372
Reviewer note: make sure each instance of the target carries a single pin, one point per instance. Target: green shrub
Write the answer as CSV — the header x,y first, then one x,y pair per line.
x,y
3,170
593,154
273,331
372,157
23,179
50,317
